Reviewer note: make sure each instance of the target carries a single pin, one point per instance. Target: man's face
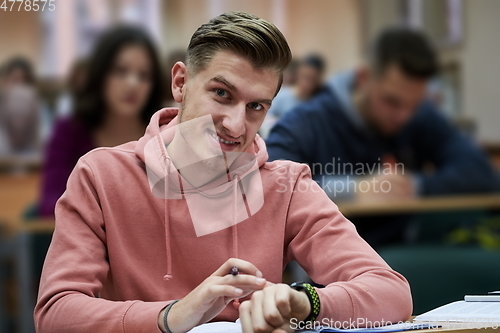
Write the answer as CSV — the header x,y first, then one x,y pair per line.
x,y
308,80
233,92
391,99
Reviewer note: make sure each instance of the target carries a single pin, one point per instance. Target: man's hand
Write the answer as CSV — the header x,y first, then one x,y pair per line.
x,y
212,295
271,309
392,184
385,187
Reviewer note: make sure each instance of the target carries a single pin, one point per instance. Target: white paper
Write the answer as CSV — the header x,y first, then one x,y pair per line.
x,y
218,327
461,311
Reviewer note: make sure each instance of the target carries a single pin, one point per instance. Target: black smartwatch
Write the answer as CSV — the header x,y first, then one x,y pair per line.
x,y
313,297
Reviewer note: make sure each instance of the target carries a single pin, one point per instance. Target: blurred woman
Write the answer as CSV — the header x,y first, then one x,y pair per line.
x,y
123,88
19,107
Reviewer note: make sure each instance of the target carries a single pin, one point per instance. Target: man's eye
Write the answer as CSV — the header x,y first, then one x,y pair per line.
x,y
221,93
256,106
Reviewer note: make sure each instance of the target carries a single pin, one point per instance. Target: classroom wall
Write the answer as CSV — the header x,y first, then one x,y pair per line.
x,y
481,68
332,28
378,14
19,35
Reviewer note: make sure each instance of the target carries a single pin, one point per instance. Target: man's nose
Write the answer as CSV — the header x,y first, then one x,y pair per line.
x,y
234,121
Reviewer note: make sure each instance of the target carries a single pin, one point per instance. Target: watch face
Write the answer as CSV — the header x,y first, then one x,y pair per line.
x,y
299,286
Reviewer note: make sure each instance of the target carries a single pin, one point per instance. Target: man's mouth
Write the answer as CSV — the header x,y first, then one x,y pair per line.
x,y
227,142
226,145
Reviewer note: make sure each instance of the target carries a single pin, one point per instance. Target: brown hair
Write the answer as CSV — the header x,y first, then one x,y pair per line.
x,y
247,35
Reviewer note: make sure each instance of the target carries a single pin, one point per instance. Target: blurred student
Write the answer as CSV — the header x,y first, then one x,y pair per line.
x,y
308,81
19,107
74,85
371,133
122,90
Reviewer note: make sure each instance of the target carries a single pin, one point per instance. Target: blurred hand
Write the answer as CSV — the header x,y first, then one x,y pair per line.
x,y
212,295
386,187
392,184
271,309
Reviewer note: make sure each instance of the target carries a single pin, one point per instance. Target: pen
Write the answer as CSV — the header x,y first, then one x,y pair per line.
x,y
234,271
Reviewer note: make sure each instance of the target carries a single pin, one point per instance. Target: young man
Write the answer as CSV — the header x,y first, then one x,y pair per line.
x,y
147,233
371,133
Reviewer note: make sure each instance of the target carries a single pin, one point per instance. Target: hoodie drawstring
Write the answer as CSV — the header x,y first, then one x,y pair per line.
x,y
167,276
236,302
235,211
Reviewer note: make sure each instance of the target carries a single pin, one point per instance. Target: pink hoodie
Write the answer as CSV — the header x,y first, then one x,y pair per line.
x,y
120,253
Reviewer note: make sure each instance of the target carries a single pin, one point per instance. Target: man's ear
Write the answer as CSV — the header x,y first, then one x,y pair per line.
x,y
179,80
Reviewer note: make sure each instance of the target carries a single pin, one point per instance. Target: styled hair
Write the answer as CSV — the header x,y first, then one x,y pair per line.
x,y
90,102
407,48
247,35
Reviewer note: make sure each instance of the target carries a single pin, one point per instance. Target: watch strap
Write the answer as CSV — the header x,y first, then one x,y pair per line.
x,y
313,297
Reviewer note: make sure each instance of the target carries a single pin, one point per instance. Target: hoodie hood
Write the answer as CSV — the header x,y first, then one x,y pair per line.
x,y
222,202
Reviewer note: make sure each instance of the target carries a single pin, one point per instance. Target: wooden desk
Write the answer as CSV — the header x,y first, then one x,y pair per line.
x,y
31,162
420,205
448,203
17,192
45,226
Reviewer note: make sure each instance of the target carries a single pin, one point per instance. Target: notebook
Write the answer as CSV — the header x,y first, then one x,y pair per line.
x,y
464,312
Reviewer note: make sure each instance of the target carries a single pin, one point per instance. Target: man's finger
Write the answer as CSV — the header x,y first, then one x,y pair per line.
x,y
246,317
225,291
243,267
259,323
271,313
282,300
242,281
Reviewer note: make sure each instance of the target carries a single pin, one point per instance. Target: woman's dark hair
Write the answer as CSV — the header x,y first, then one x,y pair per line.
x,y
90,104
74,82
